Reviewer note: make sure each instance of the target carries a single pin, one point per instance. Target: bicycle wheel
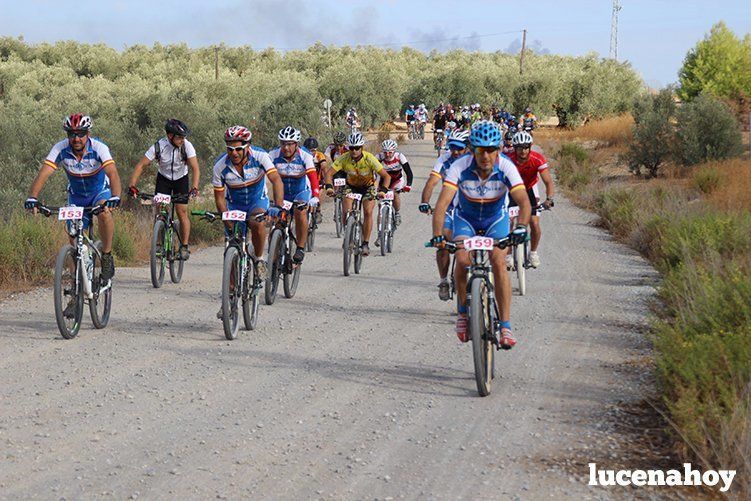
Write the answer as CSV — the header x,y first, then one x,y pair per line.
x,y
291,280
338,216
390,230
310,242
479,327
348,244
231,292
68,293
156,257
521,271
383,228
275,265
101,304
250,298
358,247
175,264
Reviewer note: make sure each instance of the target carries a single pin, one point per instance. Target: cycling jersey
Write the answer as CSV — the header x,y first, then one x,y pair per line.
x,y
529,170
333,151
86,178
171,163
445,160
298,174
410,115
394,167
528,120
422,115
439,122
248,188
318,159
360,174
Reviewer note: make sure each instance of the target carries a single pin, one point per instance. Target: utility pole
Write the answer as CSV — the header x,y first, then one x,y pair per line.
x,y
614,30
216,63
521,54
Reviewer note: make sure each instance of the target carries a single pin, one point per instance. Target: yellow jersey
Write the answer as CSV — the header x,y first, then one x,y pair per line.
x,y
360,174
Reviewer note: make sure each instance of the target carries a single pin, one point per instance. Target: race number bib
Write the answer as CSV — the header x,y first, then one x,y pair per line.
x,y
354,196
513,212
70,213
478,243
340,182
286,205
234,215
161,198
389,195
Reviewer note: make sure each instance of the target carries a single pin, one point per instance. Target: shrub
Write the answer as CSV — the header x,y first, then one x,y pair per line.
x,y
653,133
706,179
707,130
618,210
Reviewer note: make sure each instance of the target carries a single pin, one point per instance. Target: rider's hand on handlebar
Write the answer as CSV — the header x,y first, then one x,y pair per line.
x,y
407,189
31,204
438,242
548,204
193,192
132,191
112,202
313,201
519,235
274,211
424,208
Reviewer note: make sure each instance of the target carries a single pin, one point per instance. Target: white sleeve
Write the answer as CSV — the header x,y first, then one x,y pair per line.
x,y
452,174
309,163
216,179
54,153
190,150
402,158
103,151
266,162
150,153
511,172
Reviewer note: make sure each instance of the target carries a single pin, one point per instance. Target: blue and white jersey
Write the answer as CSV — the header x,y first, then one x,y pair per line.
x,y
86,177
482,199
248,188
294,171
445,160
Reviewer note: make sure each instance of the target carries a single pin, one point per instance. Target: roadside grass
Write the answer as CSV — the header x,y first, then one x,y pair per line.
x,y
609,132
695,227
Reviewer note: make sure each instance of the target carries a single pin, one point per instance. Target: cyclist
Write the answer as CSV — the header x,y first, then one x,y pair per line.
x,y
360,167
297,169
508,143
92,180
439,123
409,115
457,144
465,116
532,166
336,148
319,159
421,115
395,162
483,180
175,154
238,180
528,120
476,115
353,121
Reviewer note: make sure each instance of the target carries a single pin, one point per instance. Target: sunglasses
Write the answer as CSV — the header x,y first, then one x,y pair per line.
x,y
522,146
235,148
456,148
73,134
355,148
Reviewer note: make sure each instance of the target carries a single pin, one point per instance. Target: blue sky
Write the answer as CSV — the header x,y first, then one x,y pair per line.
x,y
653,35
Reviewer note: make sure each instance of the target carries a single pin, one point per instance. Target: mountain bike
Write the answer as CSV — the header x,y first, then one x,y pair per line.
x,y
412,130
241,282
282,245
339,184
165,239
78,270
483,314
421,130
352,244
520,253
438,141
386,222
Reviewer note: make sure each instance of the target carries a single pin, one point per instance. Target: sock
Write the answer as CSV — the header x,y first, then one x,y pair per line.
x,y
506,324
365,242
444,280
462,309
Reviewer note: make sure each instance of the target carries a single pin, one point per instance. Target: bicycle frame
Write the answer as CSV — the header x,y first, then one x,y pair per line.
x,y
480,269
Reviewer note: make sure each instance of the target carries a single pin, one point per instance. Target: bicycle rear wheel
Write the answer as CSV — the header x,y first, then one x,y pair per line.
x,y
157,258
250,299
275,265
291,280
101,304
175,263
521,271
310,242
231,292
68,293
479,326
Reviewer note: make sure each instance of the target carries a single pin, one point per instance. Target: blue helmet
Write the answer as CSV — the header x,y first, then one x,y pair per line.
x,y
485,134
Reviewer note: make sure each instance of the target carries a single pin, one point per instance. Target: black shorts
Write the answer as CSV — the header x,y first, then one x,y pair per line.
x,y
533,200
367,192
173,188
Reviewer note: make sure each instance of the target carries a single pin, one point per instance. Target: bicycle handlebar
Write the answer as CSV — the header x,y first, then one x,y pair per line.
x,y
212,216
47,210
175,198
455,245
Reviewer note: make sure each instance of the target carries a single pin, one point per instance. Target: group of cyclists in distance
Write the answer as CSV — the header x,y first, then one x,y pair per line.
x,y
485,165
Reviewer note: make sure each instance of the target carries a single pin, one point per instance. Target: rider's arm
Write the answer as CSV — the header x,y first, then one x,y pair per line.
x,y
310,171
44,173
549,185
277,187
385,178
142,164
427,191
439,213
408,171
193,164
219,200
519,195
110,170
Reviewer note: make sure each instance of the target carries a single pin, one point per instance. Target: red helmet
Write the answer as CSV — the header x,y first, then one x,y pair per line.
x,y
237,133
77,122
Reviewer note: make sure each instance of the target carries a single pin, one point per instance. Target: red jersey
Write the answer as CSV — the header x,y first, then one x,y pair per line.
x,y
530,170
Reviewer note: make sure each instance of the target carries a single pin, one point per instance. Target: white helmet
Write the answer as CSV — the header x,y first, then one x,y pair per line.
x,y
355,140
451,125
522,137
389,145
289,133
459,135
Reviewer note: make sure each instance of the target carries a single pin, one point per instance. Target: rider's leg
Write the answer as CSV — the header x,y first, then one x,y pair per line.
x,y
301,227
182,216
346,207
106,230
536,232
397,202
460,276
367,224
502,284
258,235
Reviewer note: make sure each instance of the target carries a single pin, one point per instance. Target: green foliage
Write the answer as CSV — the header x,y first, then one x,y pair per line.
x,y
653,132
707,130
720,64
27,250
574,170
618,209
706,179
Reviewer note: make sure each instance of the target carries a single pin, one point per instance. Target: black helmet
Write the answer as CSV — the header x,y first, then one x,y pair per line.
x,y
311,143
509,136
175,126
339,138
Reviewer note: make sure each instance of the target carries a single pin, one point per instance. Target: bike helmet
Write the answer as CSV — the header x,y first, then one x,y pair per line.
x,y
389,145
311,143
458,138
509,136
451,125
355,140
522,138
175,126
527,110
237,133
77,122
289,133
339,138
485,134
411,106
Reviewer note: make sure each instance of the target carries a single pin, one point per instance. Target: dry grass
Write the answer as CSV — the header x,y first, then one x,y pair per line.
x,y
612,132
734,190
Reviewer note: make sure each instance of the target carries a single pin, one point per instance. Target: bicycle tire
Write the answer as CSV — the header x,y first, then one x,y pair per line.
x,y
175,265
382,230
156,254
521,271
291,280
100,319
348,244
338,217
68,327
250,299
275,258
230,295
311,240
390,230
482,347
358,248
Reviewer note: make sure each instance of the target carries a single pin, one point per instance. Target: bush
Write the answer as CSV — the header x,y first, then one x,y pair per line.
x,y
706,179
574,169
653,133
618,209
707,130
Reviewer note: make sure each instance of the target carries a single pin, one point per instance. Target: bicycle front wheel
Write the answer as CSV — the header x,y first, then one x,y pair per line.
x,y
101,304
521,271
68,293
275,265
338,217
479,327
291,279
231,292
348,245
358,247
175,263
383,219
157,258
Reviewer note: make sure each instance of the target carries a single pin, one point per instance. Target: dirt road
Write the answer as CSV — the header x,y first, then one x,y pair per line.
x,y
356,388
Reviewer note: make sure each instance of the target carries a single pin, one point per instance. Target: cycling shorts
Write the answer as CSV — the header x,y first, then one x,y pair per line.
x,y
260,205
493,227
87,201
173,187
534,199
300,196
367,192
448,221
